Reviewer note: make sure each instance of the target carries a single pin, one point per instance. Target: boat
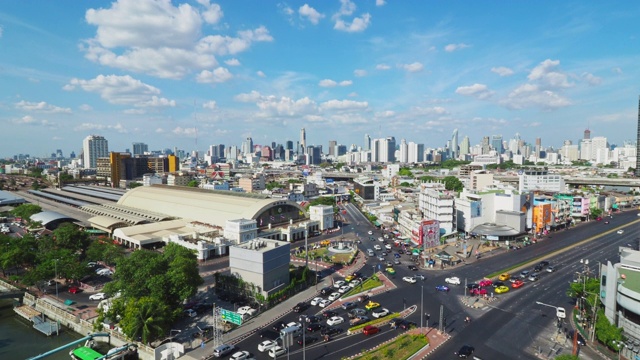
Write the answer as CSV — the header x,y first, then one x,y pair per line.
x,y
93,350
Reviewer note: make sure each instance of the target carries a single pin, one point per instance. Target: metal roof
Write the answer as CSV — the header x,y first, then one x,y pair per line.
x,y
7,198
93,193
57,198
47,217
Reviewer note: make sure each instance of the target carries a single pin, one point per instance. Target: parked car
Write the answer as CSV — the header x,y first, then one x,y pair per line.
x,y
307,340
378,313
335,296
240,355
74,289
324,303
377,247
344,289
310,318
246,310
279,326
338,284
190,313
329,314
478,291
314,327
371,305
326,291
355,283
336,320
370,330
348,305
316,301
331,331
406,325
452,280
223,350
485,282
356,312
277,351
98,296
413,268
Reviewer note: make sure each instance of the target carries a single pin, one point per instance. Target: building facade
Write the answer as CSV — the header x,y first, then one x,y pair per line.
x,y
94,147
263,263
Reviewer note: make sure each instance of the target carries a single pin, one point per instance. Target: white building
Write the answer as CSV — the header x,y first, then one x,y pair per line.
x,y
535,180
390,170
241,230
263,263
480,179
153,179
322,214
415,153
94,147
437,203
404,151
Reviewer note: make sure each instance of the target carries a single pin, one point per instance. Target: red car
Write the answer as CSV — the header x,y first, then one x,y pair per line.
x,y
370,330
74,289
485,282
478,291
516,284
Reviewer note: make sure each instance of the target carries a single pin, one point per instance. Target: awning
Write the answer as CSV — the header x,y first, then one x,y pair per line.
x,y
376,223
495,230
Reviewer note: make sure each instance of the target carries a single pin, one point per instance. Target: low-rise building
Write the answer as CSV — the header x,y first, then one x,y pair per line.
x,y
263,263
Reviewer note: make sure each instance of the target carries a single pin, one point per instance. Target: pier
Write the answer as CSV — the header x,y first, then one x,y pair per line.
x,y
46,327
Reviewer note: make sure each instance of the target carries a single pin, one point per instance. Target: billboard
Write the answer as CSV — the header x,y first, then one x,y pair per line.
x,y
476,209
429,233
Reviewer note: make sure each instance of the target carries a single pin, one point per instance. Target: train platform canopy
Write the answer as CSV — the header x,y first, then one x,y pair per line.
x,y
51,219
147,234
7,198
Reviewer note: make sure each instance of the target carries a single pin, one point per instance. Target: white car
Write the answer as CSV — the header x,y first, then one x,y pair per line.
x,y
344,289
104,272
409,279
354,283
334,296
246,310
452,280
377,247
324,303
338,284
98,296
296,324
240,355
378,313
276,351
371,232
620,232
316,301
380,239
336,320
388,246
266,345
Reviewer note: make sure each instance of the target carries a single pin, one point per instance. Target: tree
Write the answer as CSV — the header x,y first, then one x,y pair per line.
x,y
566,357
68,236
405,172
405,184
606,332
453,183
146,319
428,178
193,183
183,274
106,251
25,211
274,185
323,200
595,212
134,184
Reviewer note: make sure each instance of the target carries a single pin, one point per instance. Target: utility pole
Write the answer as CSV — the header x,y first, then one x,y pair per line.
x,y
441,322
306,246
421,306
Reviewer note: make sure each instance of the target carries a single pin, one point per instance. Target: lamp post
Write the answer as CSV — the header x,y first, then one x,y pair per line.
x,y
171,336
421,306
56,279
306,246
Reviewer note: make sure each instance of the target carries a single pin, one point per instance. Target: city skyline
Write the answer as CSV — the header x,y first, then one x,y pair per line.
x,y
189,74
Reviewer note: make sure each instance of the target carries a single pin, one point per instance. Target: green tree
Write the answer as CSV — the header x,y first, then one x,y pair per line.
x,y
405,171
274,185
134,184
606,332
405,184
339,165
584,287
104,250
25,211
323,200
566,357
427,178
193,183
68,236
64,177
182,274
595,212
146,319
453,183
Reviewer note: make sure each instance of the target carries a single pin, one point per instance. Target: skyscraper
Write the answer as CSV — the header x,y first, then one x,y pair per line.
x,y
367,142
303,140
247,146
587,134
140,148
465,146
332,148
404,151
93,147
496,143
453,151
415,153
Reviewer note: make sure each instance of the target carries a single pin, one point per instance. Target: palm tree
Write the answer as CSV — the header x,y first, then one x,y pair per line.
x,y
145,319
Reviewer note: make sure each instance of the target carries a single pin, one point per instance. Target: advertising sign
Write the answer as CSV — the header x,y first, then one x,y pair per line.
x,y
476,209
230,316
429,233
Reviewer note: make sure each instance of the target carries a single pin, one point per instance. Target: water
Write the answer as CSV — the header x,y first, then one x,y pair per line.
x,y
19,340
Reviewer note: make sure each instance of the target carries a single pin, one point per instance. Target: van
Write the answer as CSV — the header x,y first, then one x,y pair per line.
x,y
370,252
294,330
223,350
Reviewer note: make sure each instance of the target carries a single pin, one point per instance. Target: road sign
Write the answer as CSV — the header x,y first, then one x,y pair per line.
x,y
230,316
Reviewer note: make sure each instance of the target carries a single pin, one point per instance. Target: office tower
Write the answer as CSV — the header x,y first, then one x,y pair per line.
x,y
496,143
289,145
485,147
404,151
303,140
247,146
341,150
375,150
465,146
231,153
514,144
453,150
72,155
273,145
385,149
140,148
332,147
587,134
314,155
638,144
367,142
415,152
538,146
59,153
214,154
94,147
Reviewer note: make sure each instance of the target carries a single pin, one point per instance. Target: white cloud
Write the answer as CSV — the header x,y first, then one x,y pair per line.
x,y
233,62
1,31
353,94
85,107
219,75
210,105
383,67
502,71
160,130
310,14
358,24
41,107
478,91
385,114
346,8
422,111
344,105
253,96
530,95
121,90
547,74
380,2
102,127
285,106
360,72
616,70
187,132
454,47
260,74
346,83
592,79
160,39
27,119
135,111
414,67
327,83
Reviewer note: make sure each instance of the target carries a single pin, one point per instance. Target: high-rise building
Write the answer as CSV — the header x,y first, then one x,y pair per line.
x,y
453,150
496,143
404,151
638,144
247,146
94,147
289,145
303,140
465,146
538,147
415,153
587,134
215,153
332,147
367,142
140,148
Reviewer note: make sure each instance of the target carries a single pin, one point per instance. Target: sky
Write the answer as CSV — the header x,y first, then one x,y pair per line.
x,y
190,74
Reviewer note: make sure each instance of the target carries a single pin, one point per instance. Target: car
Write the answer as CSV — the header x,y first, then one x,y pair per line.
x,y
310,318
396,262
478,291
335,296
452,280
104,272
390,270
370,232
370,330
294,324
606,223
388,264
324,303
443,288
620,232
396,255
504,277
329,314
316,301
472,286
388,246
561,313
240,355
580,339
363,298
409,279
74,289
465,351
348,305
331,331
378,313
543,263
524,274
380,258
306,340
246,310
380,239
92,264
223,350
353,313
266,345
384,253
371,305
498,283
301,306
98,296
335,320
325,291
533,277
377,247
313,327
551,268
190,313
338,284
406,325
598,218
350,277
516,284
400,251
279,326
419,276
355,283
501,289
485,282
413,268
276,351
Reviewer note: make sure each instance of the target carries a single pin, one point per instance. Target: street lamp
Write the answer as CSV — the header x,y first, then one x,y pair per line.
x,y
171,336
421,305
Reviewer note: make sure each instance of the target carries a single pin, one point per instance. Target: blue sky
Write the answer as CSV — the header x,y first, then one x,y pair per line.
x,y
160,71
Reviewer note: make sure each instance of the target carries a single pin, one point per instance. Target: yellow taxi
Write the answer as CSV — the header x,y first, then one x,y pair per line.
x,y
371,305
504,277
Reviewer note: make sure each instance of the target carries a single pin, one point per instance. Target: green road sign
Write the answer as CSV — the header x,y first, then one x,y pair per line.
x,y
230,316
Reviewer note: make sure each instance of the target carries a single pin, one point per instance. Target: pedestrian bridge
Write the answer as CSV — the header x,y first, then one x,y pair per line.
x,y
12,294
